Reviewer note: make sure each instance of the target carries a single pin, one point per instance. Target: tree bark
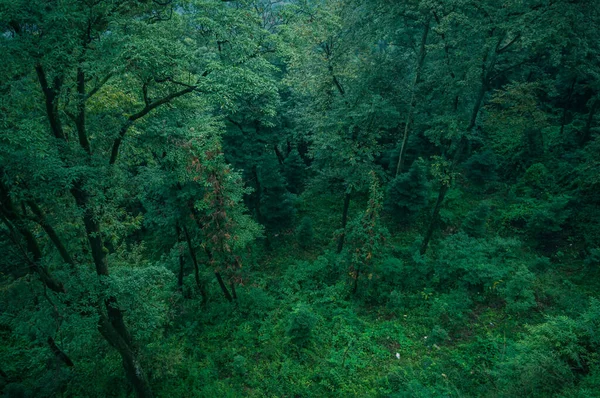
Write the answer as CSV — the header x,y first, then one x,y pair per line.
x,y
58,353
112,325
223,287
133,370
92,228
51,102
40,218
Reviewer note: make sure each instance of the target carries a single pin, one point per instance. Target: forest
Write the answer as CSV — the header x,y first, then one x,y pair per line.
x,y
300,198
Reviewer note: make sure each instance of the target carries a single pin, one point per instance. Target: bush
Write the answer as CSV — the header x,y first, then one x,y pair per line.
x,y
474,263
553,357
408,193
481,167
475,222
300,326
518,291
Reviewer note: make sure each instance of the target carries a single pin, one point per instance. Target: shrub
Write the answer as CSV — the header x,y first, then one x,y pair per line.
x,y
300,326
474,223
408,193
481,167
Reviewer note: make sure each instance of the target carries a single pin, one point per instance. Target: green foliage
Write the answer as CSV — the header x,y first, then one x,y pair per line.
x,y
593,258
475,263
275,202
551,357
408,193
481,167
300,326
518,291
153,155
475,223
295,172
305,233
541,220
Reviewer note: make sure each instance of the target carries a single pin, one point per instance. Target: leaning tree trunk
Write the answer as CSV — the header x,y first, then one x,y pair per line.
x,y
412,104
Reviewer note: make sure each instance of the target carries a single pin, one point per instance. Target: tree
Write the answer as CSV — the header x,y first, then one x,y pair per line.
x,y
408,193
96,76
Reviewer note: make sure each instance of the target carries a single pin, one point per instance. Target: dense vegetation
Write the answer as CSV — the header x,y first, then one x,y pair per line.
x,y
299,198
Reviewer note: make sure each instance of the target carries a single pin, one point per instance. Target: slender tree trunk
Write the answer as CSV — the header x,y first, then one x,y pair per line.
x,y
92,229
587,130
412,104
15,223
181,260
434,218
58,353
41,220
567,106
192,252
112,326
259,217
279,155
340,245
217,274
223,287
233,293
356,276
51,101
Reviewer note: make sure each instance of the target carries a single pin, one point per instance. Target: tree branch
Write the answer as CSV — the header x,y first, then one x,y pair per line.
x,y
40,219
507,45
99,86
147,109
51,101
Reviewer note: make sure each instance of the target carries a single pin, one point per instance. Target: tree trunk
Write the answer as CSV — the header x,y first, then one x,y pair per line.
x,y
181,260
279,155
192,252
434,218
340,245
587,130
133,370
41,220
356,275
233,293
111,326
223,287
461,146
412,104
259,217
15,223
567,106
58,353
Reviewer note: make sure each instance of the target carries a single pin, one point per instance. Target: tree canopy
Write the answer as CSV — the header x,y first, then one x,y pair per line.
x,y
299,198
